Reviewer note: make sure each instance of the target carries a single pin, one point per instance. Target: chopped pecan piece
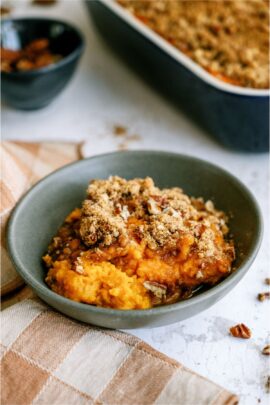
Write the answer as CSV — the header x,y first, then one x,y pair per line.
x,y
240,331
266,350
159,290
263,296
153,207
79,266
172,298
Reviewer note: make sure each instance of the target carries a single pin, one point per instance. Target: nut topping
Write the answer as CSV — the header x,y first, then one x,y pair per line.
x,y
159,216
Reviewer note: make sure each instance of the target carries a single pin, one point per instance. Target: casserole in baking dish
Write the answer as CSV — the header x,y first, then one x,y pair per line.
x,y
236,116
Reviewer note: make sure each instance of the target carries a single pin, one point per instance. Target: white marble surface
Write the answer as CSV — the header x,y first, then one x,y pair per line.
x,y
104,92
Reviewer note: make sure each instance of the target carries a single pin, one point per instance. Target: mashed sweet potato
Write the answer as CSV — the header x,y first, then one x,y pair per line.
x,y
134,246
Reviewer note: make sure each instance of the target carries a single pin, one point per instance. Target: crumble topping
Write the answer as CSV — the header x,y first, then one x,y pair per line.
x,y
230,39
116,207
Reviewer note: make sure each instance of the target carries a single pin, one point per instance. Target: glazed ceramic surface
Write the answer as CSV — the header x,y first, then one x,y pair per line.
x,y
40,213
34,89
237,117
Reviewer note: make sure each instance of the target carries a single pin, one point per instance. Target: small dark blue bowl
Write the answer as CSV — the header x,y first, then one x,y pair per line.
x,y
35,89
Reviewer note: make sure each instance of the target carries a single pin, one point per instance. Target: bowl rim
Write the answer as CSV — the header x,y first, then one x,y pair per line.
x,y
53,66
233,278
179,56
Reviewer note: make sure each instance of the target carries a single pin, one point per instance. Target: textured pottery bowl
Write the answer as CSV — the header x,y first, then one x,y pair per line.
x,y
39,214
34,89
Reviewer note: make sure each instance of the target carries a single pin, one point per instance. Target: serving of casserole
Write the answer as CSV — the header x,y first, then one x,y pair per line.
x,y
133,245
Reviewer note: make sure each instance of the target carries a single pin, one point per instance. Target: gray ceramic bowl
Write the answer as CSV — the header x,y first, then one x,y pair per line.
x,y
39,214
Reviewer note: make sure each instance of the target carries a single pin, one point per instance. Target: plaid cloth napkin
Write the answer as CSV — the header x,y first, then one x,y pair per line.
x,y
22,165
49,359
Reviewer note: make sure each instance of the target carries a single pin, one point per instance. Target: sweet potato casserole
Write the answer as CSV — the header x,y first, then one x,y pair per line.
x,y
228,38
133,246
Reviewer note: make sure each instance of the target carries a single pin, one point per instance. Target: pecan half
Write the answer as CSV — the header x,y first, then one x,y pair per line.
x,y
262,296
240,331
266,350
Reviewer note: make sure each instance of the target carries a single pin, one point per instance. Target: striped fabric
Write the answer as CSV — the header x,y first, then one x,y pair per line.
x,y
22,164
49,359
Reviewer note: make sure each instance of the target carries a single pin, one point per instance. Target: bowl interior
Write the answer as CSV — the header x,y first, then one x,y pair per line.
x,y
43,209
16,34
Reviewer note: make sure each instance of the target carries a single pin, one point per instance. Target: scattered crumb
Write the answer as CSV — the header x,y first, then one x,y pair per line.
x,y
5,10
122,131
267,384
119,130
122,146
267,281
262,296
134,137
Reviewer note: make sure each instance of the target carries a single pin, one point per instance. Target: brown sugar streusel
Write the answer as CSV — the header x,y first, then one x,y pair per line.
x,y
162,216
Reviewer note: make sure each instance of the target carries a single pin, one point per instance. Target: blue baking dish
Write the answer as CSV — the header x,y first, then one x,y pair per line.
x,y
237,117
